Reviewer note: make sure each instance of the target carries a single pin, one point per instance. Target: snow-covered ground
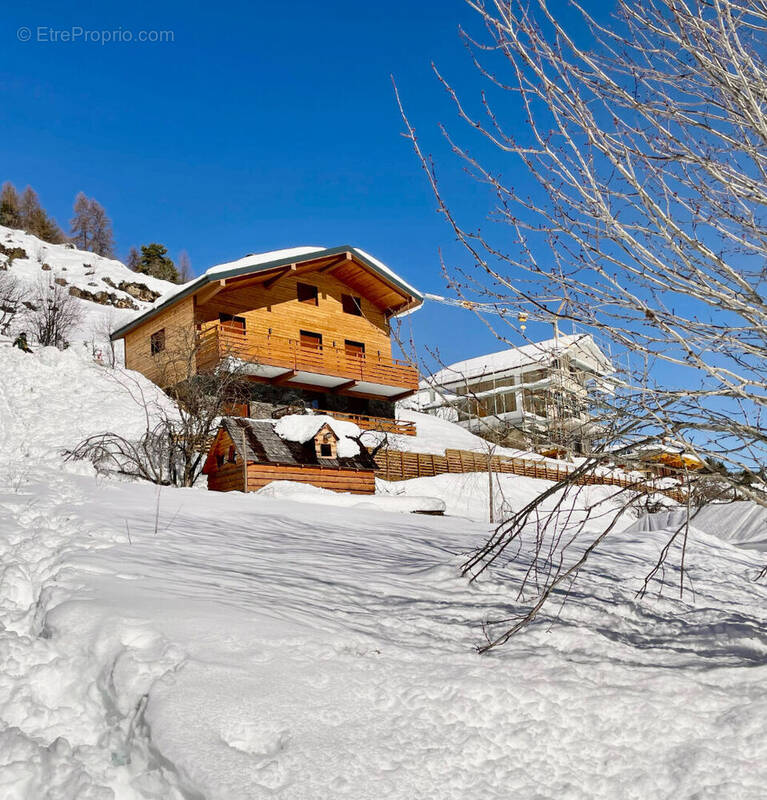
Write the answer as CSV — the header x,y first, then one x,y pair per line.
x,y
183,644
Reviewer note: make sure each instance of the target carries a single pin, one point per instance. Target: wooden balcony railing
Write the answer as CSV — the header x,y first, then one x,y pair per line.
x,y
218,343
367,423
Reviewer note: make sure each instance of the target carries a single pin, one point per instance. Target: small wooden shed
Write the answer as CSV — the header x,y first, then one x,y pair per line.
x,y
253,447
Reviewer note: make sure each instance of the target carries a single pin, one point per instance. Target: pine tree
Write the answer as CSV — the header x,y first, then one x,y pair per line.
x,y
36,221
10,213
91,228
184,267
154,261
133,260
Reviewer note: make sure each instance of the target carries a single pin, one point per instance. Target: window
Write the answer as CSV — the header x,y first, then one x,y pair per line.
x,y
351,305
354,349
232,323
307,293
157,342
219,460
310,340
232,455
326,450
534,376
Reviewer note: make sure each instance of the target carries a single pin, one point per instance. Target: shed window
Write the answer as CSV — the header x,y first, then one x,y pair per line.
x,y
351,304
219,460
307,293
326,450
232,455
157,342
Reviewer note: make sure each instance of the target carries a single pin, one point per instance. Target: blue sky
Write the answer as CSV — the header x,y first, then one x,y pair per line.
x,y
259,126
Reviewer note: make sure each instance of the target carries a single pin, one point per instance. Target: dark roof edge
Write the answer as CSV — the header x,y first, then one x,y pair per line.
x,y
205,279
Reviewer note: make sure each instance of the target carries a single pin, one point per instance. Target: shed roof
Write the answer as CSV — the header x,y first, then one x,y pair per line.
x,y
261,444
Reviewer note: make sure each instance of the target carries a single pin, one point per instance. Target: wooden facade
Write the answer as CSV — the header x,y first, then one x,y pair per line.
x,y
167,365
320,322
237,455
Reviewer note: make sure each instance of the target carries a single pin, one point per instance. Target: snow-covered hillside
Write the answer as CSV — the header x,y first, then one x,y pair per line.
x,y
174,644
108,292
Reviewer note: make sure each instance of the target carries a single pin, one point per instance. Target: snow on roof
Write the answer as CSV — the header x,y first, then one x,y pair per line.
x,y
254,259
516,357
302,427
260,261
393,275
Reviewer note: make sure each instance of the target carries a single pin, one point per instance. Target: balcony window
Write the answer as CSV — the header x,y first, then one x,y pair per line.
x,y
351,305
157,342
307,294
232,323
354,349
310,340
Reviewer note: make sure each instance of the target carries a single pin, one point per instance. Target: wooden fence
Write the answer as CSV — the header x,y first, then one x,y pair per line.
x,y
396,465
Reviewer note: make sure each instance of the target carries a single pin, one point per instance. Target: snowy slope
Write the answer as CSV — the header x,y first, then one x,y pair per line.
x,y
117,292
743,522
435,435
177,644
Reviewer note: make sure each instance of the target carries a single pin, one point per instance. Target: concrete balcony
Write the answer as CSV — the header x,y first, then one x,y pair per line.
x,y
279,360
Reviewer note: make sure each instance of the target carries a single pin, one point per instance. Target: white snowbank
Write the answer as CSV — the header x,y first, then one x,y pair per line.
x,y
50,400
467,495
302,427
233,649
743,523
305,493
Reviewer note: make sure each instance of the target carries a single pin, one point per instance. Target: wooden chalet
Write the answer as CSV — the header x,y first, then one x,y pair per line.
x,y
315,321
253,448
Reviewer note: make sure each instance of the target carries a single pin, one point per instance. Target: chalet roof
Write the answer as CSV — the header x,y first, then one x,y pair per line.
x,y
581,346
264,262
263,445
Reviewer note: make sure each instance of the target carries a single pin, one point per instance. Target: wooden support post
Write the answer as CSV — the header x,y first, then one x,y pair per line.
x,y
244,462
490,486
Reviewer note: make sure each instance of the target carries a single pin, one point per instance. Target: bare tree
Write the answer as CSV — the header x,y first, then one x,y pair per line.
x,y
174,444
54,314
91,228
12,296
643,156
184,267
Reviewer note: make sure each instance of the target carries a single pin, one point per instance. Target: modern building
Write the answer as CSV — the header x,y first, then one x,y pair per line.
x,y
537,395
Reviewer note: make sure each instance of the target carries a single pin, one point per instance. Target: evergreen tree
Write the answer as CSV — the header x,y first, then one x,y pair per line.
x,y
184,267
10,213
91,228
133,260
154,261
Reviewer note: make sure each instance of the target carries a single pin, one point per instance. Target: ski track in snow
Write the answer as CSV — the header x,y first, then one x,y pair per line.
x,y
188,645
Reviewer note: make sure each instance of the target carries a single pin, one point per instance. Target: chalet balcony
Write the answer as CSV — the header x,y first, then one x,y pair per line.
x,y
315,366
